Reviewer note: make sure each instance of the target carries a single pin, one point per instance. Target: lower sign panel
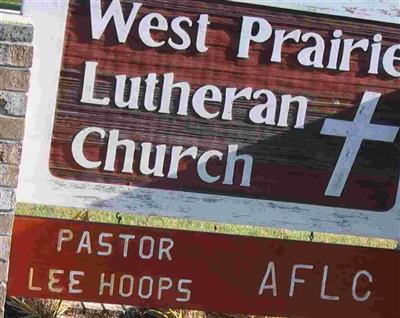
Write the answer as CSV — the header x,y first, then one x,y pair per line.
x,y
211,272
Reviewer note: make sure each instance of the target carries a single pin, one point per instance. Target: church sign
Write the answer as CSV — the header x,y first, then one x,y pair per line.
x,y
226,111
155,268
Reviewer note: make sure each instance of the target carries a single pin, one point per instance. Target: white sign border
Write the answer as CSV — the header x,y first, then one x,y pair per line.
x,y
37,185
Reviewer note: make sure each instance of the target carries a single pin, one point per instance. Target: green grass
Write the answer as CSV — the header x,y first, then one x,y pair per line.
x,y
10,4
172,223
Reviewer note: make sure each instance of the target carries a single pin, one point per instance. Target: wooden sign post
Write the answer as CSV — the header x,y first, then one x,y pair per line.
x,y
212,272
230,112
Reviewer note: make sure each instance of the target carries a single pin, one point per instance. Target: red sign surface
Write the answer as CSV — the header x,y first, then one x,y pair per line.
x,y
230,99
212,272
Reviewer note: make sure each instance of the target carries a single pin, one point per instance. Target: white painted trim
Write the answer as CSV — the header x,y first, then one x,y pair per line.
x,y
37,185
375,10
9,12
12,16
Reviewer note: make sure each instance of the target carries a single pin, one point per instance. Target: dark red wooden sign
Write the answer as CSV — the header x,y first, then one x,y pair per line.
x,y
180,269
233,99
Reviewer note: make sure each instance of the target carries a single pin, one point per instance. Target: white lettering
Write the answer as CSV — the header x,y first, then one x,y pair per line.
x,y
64,235
77,147
108,246
280,38
149,289
122,286
113,144
177,154
287,100
323,286
88,86
199,99
142,244
126,238
264,286
268,108
103,284
85,243
30,281
354,286
203,24
388,60
166,245
157,170
312,56
231,164
114,11
176,26
165,283
202,166
247,36
53,280
74,282
185,291
294,279
146,25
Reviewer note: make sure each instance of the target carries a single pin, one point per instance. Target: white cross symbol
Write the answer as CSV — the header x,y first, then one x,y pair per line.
x,y
355,132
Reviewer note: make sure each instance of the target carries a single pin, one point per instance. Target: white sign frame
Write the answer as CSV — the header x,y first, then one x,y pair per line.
x,y
37,185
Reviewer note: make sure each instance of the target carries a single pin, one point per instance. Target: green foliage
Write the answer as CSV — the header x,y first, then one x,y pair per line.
x,y
10,4
37,308
166,313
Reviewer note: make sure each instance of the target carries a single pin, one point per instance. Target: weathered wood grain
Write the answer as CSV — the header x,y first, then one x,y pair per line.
x,y
290,164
